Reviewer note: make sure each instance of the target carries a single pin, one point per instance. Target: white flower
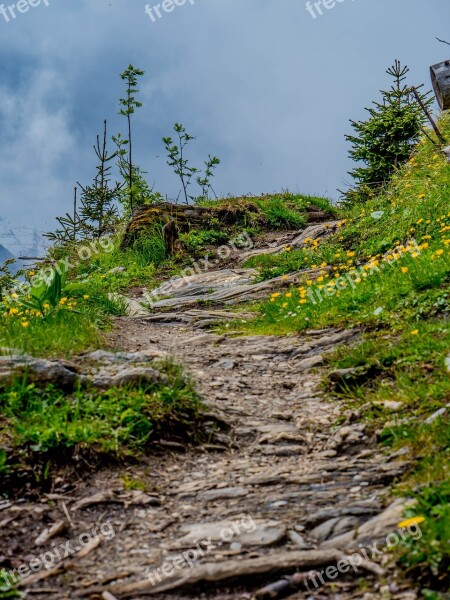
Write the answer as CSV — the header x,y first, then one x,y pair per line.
x,y
377,214
378,311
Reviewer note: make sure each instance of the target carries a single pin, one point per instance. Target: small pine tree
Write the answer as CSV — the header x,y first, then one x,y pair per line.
x,y
98,211
71,226
385,141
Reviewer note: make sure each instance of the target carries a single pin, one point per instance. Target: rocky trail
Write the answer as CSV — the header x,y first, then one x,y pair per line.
x,y
288,482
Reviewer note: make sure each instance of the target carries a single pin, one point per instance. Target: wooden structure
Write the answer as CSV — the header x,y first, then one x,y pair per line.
x,y
440,76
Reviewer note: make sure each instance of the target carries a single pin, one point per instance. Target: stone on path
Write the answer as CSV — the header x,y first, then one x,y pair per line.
x,y
246,531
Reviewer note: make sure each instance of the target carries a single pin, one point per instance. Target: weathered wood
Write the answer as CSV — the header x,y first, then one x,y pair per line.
x,y
440,77
428,115
170,233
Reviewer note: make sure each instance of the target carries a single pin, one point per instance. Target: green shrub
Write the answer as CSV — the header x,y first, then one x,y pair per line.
x,y
197,239
150,248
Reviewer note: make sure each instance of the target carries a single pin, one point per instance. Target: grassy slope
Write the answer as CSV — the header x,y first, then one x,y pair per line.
x,y
46,428
399,243
387,270
92,281
38,426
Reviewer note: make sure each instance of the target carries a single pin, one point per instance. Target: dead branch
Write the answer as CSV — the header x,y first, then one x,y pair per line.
x,y
231,570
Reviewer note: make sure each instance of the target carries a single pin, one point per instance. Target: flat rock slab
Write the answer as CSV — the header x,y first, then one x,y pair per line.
x,y
38,371
100,369
236,293
296,240
223,493
195,316
200,283
244,530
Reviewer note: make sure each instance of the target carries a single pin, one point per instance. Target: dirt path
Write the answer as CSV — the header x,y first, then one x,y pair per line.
x,y
281,474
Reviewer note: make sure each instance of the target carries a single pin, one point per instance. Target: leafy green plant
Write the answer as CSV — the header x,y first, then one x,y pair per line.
x,y
6,592
204,181
431,552
176,158
7,280
48,293
133,483
3,462
196,239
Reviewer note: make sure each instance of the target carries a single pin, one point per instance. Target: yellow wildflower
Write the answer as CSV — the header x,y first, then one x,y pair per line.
x,y
412,521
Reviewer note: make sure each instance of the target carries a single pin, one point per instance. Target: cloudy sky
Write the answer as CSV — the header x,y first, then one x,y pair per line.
x,y
261,83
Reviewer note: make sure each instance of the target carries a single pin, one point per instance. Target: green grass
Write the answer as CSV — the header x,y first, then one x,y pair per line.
x,y
280,214
387,272
49,425
430,552
63,334
108,271
197,240
6,592
272,211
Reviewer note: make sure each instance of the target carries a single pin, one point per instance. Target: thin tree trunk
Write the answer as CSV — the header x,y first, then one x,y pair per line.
x,y
75,214
130,158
